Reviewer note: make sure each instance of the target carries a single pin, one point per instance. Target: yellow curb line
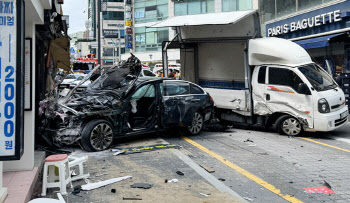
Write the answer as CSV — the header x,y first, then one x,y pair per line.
x,y
324,144
243,172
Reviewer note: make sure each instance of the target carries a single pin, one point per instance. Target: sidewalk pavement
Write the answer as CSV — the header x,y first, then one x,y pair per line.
x,y
152,167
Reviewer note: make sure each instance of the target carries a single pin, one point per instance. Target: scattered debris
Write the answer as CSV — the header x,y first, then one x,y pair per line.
x,y
91,186
206,195
98,175
248,140
141,185
113,190
291,182
171,181
209,170
131,198
180,173
265,153
141,149
117,152
324,190
327,185
221,179
252,145
301,146
249,199
319,160
76,190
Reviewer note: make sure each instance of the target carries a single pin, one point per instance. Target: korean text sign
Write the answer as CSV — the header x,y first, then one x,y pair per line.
x,y
8,59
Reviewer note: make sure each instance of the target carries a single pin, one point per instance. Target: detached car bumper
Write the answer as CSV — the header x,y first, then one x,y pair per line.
x,y
330,121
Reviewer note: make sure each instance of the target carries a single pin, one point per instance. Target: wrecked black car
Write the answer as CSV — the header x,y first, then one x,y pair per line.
x,y
120,104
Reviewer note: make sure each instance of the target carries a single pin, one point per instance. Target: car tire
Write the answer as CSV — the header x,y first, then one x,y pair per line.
x,y
288,125
97,135
197,124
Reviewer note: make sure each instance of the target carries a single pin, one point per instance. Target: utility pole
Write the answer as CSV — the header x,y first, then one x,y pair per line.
x,y
119,47
99,32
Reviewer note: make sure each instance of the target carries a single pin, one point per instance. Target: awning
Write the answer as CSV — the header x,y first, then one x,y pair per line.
x,y
205,19
60,48
316,42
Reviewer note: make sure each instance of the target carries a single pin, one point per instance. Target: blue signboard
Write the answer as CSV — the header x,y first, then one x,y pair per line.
x,y
322,20
129,45
11,78
72,50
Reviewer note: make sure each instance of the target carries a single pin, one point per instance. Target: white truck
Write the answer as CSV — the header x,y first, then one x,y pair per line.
x,y
254,80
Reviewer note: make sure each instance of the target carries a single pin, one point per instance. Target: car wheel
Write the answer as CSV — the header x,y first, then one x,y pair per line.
x,y
197,124
97,135
288,125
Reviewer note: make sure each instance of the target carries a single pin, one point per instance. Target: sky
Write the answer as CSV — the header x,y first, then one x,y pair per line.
x,y
78,14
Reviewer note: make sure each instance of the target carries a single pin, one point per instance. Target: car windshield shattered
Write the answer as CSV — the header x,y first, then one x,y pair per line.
x,y
318,78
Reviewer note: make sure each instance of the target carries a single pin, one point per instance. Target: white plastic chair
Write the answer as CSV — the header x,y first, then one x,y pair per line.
x,y
75,161
49,176
48,200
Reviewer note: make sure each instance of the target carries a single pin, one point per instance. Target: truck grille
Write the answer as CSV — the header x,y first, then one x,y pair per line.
x,y
340,121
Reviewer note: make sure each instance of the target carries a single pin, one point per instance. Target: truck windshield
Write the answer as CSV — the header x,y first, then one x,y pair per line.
x,y
318,78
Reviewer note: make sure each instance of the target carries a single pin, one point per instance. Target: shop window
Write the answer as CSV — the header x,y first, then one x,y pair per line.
x,y
150,10
113,15
285,7
236,5
305,4
194,7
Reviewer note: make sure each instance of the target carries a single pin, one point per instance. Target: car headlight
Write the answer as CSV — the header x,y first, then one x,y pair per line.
x,y
323,106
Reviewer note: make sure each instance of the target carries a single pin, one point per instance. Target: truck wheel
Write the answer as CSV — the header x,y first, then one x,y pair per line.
x,y
197,124
97,135
288,125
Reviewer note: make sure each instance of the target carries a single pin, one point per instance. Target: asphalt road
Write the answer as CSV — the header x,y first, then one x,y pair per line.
x,y
267,167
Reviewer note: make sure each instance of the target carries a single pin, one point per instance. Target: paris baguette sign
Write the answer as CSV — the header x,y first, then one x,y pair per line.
x,y
11,79
314,21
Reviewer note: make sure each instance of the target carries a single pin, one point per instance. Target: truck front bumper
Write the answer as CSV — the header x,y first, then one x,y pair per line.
x,y
330,121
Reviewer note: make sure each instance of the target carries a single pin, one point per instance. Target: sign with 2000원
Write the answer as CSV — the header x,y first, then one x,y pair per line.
x,y
10,67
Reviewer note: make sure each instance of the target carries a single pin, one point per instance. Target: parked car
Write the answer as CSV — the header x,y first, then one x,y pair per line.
x,y
119,103
71,78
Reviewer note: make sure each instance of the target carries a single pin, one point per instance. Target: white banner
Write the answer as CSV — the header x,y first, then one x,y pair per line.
x,y
8,52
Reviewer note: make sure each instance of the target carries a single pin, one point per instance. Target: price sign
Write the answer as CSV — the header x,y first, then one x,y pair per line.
x,y
11,87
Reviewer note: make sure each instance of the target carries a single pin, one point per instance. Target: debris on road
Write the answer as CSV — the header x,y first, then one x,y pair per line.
x,y
113,190
180,173
222,179
206,195
141,185
209,170
324,190
327,185
76,190
248,140
131,198
249,199
91,186
171,181
141,149
117,152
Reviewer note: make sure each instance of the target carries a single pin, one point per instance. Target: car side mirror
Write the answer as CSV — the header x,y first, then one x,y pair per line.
x,y
303,89
339,80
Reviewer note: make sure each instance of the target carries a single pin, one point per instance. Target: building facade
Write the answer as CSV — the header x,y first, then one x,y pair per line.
x,y
320,26
148,41
112,16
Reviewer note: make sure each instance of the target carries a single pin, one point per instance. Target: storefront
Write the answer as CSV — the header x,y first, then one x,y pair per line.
x,y
323,32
